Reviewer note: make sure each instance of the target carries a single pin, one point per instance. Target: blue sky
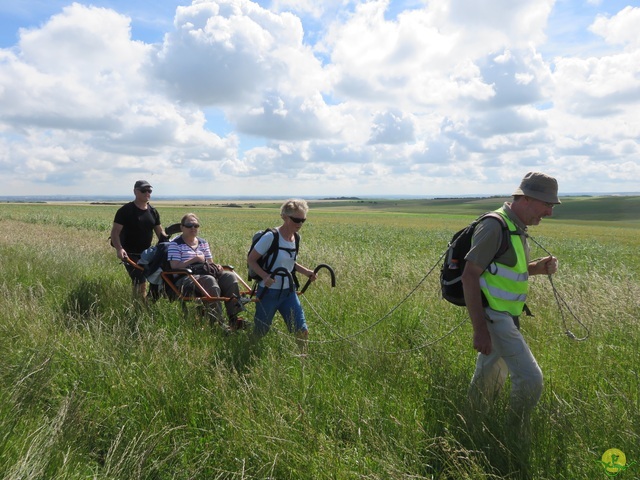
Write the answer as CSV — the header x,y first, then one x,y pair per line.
x,y
299,97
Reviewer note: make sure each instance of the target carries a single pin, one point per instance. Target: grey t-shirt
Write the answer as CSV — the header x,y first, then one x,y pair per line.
x,y
486,240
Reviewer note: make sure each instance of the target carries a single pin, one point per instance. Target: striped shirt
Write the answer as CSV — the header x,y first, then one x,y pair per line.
x,y
181,252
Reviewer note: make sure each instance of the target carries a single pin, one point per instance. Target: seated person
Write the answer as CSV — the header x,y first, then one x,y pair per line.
x,y
190,251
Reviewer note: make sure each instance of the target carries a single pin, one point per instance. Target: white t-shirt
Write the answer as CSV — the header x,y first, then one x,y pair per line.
x,y
286,257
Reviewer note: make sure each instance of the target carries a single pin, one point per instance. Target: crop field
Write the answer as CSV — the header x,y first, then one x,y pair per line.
x,y
93,385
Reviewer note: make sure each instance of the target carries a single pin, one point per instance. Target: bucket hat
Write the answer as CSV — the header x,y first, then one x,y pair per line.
x,y
539,186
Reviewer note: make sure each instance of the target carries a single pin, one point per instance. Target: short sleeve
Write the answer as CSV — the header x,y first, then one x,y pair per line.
x,y
262,245
485,242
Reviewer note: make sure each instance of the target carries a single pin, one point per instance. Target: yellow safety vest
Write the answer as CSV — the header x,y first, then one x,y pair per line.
x,y
504,287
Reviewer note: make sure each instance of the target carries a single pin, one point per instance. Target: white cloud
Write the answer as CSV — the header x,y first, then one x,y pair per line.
x,y
337,97
392,127
621,29
81,72
85,41
279,118
225,52
599,87
313,8
412,60
495,24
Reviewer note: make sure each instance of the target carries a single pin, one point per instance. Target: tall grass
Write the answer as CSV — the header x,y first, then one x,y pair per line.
x,y
93,386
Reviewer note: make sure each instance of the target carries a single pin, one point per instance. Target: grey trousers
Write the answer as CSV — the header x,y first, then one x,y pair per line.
x,y
510,354
225,286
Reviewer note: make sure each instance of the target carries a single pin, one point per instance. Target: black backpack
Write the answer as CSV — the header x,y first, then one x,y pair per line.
x,y
267,260
454,262
154,260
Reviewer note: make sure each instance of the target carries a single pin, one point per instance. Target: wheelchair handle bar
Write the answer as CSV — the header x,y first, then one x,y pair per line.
x,y
316,270
279,271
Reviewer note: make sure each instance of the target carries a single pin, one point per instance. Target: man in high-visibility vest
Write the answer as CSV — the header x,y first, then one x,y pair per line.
x,y
495,291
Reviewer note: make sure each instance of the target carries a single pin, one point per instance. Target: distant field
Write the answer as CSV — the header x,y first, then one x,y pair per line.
x,y
589,208
92,386
625,208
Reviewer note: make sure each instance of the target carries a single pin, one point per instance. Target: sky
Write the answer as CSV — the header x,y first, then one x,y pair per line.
x,y
318,98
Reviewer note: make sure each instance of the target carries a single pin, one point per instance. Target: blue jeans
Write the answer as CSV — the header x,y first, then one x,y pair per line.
x,y
283,301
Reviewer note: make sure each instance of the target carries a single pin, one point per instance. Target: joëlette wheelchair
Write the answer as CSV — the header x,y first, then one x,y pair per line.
x,y
163,280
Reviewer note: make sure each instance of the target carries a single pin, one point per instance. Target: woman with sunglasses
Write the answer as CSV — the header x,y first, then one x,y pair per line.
x,y
279,296
189,251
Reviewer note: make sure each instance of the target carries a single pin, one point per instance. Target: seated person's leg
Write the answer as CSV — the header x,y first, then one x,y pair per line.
x,y
214,309
229,288
209,284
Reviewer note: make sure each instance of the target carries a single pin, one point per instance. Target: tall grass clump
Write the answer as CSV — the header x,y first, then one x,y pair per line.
x,y
94,385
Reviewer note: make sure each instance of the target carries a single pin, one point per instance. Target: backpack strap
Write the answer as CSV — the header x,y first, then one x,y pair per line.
x,y
272,252
505,241
295,249
293,273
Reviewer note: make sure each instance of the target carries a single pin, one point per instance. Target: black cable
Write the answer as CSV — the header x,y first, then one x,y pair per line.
x,y
560,301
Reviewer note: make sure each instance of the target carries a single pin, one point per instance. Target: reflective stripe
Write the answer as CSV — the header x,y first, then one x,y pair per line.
x,y
505,272
501,294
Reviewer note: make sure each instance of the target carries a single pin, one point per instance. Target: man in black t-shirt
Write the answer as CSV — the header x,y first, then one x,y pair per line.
x,y
132,232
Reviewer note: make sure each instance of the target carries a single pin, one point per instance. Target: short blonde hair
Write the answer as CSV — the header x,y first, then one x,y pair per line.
x,y
189,215
292,206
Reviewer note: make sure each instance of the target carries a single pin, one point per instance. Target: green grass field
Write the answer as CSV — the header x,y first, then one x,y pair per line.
x,y
93,386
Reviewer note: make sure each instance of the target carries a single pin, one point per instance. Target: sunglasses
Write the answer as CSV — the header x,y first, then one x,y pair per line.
x,y
145,190
191,225
297,220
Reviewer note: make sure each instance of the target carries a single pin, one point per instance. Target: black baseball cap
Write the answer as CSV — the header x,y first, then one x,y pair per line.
x,y
142,184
